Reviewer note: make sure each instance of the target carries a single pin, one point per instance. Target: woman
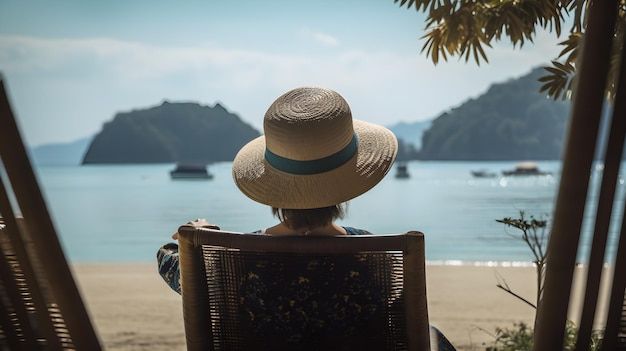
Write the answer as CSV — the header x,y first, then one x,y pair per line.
x,y
311,160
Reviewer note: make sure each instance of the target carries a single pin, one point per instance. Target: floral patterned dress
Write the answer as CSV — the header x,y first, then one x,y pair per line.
x,y
308,306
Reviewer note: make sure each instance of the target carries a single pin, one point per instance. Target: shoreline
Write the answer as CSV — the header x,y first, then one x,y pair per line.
x,y
445,263
133,309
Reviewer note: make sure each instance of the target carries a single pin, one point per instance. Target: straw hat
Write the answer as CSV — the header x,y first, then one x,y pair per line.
x,y
313,154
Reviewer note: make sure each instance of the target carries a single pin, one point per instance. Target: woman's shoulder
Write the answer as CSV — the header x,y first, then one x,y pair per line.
x,y
355,231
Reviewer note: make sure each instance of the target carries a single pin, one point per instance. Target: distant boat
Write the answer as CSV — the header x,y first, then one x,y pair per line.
x,y
402,171
525,169
190,171
483,173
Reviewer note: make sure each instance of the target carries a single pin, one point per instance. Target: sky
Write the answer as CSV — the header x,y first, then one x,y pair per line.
x,y
70,65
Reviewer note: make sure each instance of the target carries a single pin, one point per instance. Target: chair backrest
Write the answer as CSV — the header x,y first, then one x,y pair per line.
x,y
40,306
233,284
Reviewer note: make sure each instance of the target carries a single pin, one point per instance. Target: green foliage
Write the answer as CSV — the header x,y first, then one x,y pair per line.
x,y
571,334
509,122
463,28
520,338
533,233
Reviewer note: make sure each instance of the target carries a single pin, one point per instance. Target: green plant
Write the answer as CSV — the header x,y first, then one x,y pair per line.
x,y
466,28
571,334
535,233
518,338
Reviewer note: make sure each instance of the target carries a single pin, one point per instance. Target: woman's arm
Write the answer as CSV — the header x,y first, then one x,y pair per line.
x,y
167,257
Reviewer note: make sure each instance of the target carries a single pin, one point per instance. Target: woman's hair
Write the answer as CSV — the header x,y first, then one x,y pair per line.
x,y
309,218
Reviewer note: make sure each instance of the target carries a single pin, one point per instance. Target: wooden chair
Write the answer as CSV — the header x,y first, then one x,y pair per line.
x,y
214,264
40,306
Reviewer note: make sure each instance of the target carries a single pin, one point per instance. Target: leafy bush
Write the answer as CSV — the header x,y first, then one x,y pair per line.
x,y
535,233
520,338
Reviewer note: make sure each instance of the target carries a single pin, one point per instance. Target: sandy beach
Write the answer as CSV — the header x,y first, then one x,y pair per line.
x,y
133,309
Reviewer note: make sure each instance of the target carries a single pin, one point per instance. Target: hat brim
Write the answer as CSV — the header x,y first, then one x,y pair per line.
x,y
377,150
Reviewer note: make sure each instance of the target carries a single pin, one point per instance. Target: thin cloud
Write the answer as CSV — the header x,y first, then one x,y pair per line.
x,y
133,59
104,75
326,39
313,36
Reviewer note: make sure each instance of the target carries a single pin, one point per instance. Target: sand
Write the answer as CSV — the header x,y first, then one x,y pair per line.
x,y
133,309
465,303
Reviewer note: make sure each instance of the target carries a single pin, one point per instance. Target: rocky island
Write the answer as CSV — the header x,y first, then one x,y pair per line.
x,y
171,132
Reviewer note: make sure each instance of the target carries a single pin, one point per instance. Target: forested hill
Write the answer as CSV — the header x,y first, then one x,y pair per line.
x,y
171,132
511,121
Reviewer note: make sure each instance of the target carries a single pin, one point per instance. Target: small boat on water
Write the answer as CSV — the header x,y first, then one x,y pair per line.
x,y
483,173
190,171
525,169
402,171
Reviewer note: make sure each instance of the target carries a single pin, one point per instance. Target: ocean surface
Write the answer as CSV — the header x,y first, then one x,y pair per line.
x,y
107,213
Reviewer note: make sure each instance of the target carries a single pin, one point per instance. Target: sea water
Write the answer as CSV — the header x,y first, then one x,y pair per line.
x,y
124,213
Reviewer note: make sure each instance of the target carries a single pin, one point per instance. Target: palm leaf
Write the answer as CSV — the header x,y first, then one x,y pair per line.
x,y
462,27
